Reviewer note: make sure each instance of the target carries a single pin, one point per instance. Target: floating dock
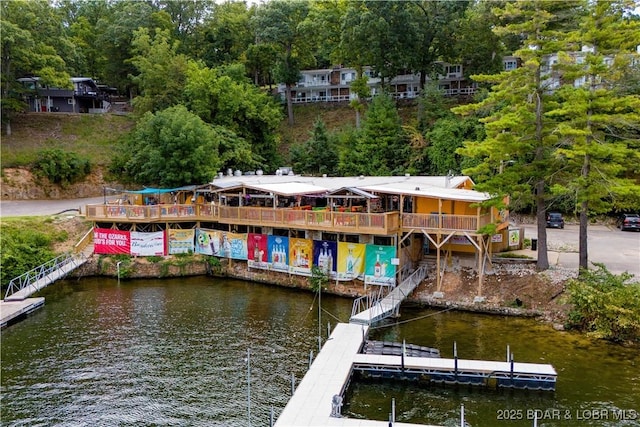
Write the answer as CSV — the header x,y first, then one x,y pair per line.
x,y
312,403
318,399
490,374
12,311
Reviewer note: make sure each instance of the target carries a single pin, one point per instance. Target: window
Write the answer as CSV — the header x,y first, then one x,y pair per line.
x,y
510,65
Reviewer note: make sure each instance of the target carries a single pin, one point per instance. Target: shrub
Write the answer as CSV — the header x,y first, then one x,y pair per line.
x,y
61,167
605,305
22,251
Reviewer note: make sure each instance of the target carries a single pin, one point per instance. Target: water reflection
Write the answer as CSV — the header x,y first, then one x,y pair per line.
x,y
172,352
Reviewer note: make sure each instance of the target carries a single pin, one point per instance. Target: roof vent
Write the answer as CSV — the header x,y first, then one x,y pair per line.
x,y
259,172
230,172
417,188
407,175
361,177
238,172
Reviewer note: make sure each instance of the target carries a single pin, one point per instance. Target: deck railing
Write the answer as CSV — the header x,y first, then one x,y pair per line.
x,y
445,221
356,222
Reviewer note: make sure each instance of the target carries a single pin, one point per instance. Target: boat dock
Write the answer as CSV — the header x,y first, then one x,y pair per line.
x,y
11,311
485,373
318,399
312,404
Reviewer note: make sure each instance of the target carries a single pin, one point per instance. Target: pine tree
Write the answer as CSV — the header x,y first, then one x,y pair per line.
x,y
596,122
516,153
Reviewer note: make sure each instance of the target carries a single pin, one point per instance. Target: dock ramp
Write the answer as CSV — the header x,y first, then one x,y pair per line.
x,y
42,276
368,310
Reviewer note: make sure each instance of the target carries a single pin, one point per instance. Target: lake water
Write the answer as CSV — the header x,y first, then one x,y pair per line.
x,y
174,352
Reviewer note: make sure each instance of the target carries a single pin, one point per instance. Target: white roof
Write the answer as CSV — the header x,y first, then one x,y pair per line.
x,y
288,188
427,186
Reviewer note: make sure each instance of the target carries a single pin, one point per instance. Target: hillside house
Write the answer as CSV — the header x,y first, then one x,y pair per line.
x,y
85,96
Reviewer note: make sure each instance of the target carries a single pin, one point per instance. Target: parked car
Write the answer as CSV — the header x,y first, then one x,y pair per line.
x,y
555,220
629,221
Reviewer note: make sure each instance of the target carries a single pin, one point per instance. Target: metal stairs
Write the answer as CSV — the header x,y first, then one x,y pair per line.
x,y
374,307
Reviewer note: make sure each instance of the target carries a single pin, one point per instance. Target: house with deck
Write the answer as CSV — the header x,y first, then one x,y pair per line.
x,y
376,229
83,96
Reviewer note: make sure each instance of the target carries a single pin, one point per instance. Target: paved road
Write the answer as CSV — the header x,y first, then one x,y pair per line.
x,y
45,207
618,250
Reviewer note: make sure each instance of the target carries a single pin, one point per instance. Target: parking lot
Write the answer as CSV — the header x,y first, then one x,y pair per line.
x,y
618,250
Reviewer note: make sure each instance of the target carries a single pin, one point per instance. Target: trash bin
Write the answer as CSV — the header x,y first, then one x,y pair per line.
x,y
534,244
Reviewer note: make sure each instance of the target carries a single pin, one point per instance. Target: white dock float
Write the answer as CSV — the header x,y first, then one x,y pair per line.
x,y
9,310
311,404
464,371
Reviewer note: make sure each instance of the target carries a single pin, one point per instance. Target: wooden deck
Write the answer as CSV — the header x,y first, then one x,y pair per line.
x,y
384,223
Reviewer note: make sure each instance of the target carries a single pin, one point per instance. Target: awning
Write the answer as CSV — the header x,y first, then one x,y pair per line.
x,y
150,190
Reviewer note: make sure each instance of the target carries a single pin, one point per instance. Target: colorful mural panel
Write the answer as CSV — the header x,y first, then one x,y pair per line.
x,y
180,241
278,253
325,256
350,260
234,245
208,242
257,251
379,269
300,256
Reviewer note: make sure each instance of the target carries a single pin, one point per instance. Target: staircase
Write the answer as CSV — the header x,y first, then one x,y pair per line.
x,y
373,308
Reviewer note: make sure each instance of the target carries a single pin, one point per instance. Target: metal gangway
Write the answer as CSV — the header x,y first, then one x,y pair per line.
x,y
42,276
374,307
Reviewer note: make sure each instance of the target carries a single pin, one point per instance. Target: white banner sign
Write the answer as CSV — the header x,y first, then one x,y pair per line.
x,y
147,244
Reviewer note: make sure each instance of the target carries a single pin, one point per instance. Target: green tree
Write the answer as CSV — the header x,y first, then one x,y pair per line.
x,y
447,135
595,156
515,157
323,25
226,35
279,22
161,73
434,26
381,148
173,148
30,45
225,97
376,33
115,35
477,47
318,155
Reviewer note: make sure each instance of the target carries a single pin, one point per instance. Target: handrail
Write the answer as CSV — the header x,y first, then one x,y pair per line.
x,y
384,222
32,276
84,241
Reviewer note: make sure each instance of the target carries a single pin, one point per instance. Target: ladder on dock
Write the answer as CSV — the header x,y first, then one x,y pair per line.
x,y
372,308
40,277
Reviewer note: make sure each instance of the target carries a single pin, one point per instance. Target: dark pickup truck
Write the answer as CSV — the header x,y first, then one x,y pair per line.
x,y
629,222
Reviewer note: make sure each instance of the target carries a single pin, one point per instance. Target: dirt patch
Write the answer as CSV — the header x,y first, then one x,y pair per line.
x,y
22,184
74,226
516,289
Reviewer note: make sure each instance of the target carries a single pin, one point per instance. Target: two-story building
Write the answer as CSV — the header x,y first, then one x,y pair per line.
x,y
84,96
333,84
376,229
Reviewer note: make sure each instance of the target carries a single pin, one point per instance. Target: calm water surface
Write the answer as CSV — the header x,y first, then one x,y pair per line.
x,y
173,352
